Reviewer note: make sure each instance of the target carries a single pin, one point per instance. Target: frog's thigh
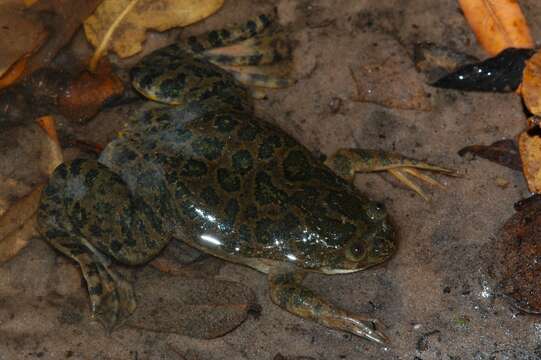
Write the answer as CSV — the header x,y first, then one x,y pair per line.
x,y
287,291
68,216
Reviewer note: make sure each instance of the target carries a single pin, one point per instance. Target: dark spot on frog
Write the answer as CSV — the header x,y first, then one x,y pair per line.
x,y
194,168
248,132
116,246
209,195
250,212
215,39
62,171
225,123
231,210
242,161
266,192
297,166
245,234
228,181
90,177
346,204
75,166
208,147
267,147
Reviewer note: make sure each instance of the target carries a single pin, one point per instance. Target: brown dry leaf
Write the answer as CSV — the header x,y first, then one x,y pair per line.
x,y
531,84
389,78
199,308
515,261
158,15
497,24
530,153
62,18
20,35
18,222
32,36
503,152
17,225
85,95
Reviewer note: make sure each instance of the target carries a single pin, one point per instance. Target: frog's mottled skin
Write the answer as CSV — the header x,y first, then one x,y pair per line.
x,y
203,169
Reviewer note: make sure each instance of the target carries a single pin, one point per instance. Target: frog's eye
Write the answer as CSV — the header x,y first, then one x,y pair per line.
x,y
355,251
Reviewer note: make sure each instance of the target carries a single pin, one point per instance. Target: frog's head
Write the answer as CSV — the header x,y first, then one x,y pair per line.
x,y
372,243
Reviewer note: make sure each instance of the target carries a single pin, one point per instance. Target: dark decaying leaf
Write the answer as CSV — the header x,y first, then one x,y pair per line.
x,y
198,308
502,73
435,61
503,152
516,262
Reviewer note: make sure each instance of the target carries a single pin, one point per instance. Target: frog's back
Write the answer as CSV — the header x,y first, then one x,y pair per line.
x,y
245,189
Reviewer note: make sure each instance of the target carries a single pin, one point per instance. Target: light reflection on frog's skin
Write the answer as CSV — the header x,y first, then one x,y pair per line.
x,y
208,172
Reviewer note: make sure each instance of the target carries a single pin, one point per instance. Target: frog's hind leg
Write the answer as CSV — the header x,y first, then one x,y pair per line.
x,y
287,291
254,52
86,213
224,37
347,162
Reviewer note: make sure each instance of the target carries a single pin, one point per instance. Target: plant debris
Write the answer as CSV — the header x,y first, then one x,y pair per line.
x,y
497,24
85,95
122,24
435,61
502,73
502,152
198,308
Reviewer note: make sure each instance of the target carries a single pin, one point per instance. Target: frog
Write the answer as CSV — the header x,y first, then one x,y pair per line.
x,y
196,164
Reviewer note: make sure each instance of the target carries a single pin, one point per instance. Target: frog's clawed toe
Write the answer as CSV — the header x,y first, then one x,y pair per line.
x,y
347,162
367,328
112,298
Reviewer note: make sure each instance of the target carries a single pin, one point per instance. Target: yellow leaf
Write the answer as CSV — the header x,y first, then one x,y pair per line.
x,y
530,154
497,24
530,88
127,39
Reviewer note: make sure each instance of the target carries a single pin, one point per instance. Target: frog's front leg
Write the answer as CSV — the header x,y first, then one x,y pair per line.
x,y
287,291
87,213
347,162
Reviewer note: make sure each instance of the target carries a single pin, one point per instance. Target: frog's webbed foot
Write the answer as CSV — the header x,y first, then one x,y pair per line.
x,y
347,162
250,52
287,291
112,298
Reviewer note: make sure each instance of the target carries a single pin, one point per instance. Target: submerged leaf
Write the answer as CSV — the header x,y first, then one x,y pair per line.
x,y
160,15
503,152
502,73
497,24
436,61
199,308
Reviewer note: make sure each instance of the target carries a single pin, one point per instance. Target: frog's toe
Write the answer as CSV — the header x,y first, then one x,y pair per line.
x,y
347,162
361,326
112,298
